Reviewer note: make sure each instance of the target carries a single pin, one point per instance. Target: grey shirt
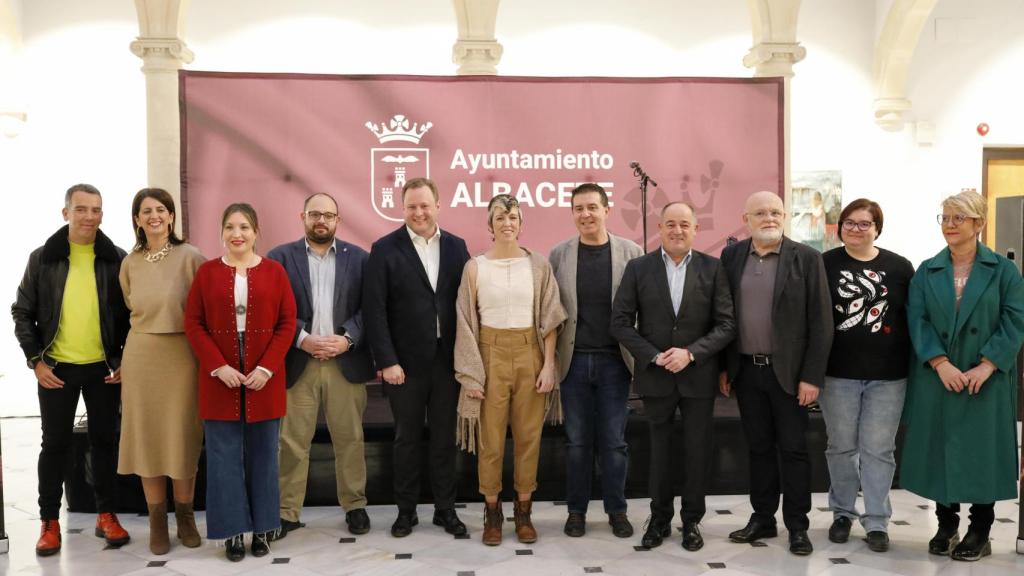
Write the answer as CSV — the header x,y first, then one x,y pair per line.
x,y
754,301
321,284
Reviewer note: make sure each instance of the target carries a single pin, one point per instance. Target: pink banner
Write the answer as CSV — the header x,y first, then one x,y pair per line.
x,y
272,140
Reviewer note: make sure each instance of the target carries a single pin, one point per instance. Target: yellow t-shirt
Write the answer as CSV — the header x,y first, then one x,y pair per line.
x,y
78,338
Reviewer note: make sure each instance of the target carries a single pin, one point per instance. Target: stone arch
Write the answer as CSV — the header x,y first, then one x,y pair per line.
x,y
894,53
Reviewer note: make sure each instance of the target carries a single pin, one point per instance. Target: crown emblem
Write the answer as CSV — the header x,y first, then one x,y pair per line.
x,y
398,129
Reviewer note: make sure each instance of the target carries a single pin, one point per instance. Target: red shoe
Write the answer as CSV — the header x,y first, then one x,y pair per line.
x,y
108,528
49,538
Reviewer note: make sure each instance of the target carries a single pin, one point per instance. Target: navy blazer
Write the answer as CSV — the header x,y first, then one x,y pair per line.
x,y
349,263
400,308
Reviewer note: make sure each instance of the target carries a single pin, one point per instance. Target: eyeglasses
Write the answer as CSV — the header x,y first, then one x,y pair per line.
x,y
956,219
863,225
763,214
327,216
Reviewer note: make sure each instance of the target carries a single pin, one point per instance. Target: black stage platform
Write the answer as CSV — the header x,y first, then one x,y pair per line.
x,y
728,474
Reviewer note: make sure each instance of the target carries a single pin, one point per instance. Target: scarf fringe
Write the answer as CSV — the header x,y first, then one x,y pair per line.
x,y
467,434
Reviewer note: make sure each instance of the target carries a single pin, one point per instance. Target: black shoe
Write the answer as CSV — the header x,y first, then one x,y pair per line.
x,y
655,531
575,525
286,527
839,531
753,531
945,539
878,541
403,524
450,521
234,548
692,540
357,521
799,543
972,548
260,544
620,525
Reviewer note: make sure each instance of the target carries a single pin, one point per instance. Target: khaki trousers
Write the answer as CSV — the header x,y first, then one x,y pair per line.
x,y
344,403
512,360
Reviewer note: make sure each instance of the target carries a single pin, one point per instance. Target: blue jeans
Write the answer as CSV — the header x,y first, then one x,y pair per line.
x,y
241,477
594,396
861,418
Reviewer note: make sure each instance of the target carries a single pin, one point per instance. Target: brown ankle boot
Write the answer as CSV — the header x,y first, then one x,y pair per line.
x,y
493,517
187,532
524,528
159,541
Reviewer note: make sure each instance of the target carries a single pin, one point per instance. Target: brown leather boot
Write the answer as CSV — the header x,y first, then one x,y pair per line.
x,y
493,517
187,532
524,528
159,541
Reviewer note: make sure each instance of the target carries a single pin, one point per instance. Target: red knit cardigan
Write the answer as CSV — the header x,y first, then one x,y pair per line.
x,y
269,332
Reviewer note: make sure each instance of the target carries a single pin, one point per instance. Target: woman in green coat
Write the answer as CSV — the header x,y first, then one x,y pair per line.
x,y
965,311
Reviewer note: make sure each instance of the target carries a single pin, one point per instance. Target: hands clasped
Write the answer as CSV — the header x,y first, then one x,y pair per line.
x,y
674,359
324,347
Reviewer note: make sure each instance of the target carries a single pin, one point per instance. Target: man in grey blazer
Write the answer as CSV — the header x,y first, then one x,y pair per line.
x,y
776,364
594,370
328,364
674,313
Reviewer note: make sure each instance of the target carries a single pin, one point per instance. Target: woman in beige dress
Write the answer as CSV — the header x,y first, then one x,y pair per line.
x,y
161,434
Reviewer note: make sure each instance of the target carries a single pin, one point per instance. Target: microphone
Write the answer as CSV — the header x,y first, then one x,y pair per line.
x,y
638,171
634,165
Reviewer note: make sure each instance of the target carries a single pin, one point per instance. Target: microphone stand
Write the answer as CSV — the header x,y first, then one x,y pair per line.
x,y
644,180
4,543
1012,256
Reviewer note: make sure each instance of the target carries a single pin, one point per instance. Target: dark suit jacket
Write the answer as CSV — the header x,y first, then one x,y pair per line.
x,y
400,308
644,321
356,364
801,313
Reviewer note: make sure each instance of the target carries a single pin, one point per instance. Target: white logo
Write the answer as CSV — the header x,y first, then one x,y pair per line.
x,y
389,166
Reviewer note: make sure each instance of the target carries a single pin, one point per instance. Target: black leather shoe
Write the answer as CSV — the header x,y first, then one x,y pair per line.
x,y
620,525
692,540
403,524
260,544
799,543
575,525
656,530
286,527
972,548
878,541
754,530
450,521
945,539
234,548
357,521
839,531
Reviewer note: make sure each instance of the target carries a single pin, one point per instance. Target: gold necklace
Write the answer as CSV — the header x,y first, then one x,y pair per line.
x,y
158,256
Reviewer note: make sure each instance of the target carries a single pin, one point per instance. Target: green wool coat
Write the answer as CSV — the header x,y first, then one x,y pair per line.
x,y
961,447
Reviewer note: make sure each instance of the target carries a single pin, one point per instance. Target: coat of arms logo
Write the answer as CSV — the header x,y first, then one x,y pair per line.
x,y
391,165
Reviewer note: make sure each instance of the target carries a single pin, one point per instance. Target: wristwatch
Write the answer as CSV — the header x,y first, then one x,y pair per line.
x,y
351,342
33,361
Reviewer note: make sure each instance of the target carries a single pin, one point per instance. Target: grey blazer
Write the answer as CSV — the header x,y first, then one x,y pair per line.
x,y
563,263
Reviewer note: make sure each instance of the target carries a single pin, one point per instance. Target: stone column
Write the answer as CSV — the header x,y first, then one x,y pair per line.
x,y
476,51
163,53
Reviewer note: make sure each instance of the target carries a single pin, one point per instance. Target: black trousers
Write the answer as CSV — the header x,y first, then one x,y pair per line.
x,y
57,410
776,429
695,454
982,516
436,395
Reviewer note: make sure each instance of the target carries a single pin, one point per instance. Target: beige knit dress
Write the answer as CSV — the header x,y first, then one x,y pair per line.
x,y
161,434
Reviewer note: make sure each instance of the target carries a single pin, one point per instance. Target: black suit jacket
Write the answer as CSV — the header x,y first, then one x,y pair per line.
x,y
644,321
801,314
400,310
349,262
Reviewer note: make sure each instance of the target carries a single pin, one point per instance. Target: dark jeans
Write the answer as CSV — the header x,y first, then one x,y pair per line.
x,y
776,429
697,417
982,516
436,395
594,395
57,410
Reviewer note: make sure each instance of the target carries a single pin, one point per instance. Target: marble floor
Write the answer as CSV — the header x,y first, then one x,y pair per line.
x,y
325,547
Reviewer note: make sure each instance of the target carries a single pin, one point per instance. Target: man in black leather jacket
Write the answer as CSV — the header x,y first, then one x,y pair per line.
x,y
71,321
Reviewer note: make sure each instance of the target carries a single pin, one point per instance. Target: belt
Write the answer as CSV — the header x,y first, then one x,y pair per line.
x,y
758,359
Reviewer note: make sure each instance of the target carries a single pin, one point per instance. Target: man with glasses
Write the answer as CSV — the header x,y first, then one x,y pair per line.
x,y
71,321
329,363
776,364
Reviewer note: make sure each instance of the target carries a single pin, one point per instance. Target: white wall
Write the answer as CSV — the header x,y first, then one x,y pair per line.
x,y
86,103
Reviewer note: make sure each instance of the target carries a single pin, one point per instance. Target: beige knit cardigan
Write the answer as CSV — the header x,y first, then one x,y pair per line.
x,y
548,315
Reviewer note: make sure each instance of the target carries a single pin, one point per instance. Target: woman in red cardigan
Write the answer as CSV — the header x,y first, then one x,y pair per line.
x,y
240,320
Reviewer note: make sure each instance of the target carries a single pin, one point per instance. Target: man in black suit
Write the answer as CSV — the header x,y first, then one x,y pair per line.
x,y
328,364
674,314
777,364
412,279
